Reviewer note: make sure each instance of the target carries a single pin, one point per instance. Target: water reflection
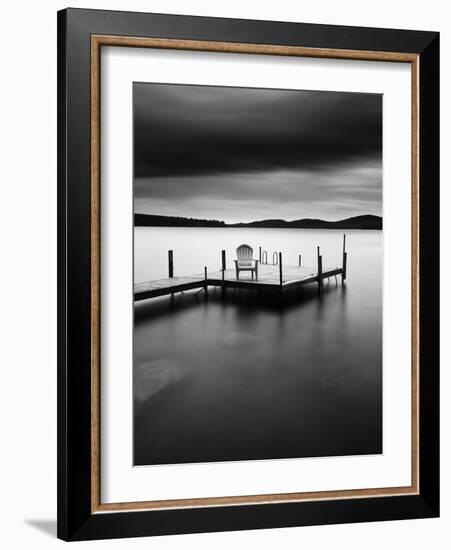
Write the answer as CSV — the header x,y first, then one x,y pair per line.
x,y
244,376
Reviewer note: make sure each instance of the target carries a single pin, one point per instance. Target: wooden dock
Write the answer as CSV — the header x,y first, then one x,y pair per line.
x,y
162,287
272,277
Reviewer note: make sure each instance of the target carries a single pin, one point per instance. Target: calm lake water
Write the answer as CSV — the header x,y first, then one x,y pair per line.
x,y
247,378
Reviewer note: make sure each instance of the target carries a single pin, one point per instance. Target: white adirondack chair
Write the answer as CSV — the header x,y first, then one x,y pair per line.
x,y
245,262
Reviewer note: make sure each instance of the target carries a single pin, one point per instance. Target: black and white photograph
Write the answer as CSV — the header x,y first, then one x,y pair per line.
x,y
257,274
230,220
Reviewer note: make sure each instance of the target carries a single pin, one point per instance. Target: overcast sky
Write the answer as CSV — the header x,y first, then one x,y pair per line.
x,y
244,154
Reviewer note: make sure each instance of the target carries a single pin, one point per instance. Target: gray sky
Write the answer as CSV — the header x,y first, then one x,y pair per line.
x,y
242,154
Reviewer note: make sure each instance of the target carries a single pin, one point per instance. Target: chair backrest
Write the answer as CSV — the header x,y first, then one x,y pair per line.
x,y
244,254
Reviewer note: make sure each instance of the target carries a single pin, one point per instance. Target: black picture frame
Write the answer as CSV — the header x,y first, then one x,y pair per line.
x,y
76,519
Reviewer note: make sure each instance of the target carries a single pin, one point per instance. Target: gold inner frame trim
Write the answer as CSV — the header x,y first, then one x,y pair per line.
x,y
97,41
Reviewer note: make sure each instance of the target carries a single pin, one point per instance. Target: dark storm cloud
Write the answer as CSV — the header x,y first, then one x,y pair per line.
x,y
242,154
199,131
348,190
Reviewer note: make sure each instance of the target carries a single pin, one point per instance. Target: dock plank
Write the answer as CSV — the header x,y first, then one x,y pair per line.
x,y
268,275
160,287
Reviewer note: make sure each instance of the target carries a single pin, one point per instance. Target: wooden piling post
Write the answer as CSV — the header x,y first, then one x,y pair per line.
x,y
299,260
345,259
223,269
280,269
171,263
320,268
206,281
260,254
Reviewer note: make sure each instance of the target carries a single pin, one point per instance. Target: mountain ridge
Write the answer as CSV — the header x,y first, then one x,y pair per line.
x,y
365,221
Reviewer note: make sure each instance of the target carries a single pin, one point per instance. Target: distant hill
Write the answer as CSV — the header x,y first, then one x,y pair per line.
x,y
367,221
357,222
148,220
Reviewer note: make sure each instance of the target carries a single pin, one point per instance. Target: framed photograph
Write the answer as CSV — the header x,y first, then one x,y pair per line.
x,y
248,274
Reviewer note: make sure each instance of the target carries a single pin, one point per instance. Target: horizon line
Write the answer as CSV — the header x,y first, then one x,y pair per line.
x,y
257,220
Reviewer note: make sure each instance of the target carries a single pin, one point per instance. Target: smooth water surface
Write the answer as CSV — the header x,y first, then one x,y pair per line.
x,y
246,377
